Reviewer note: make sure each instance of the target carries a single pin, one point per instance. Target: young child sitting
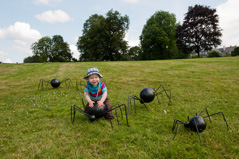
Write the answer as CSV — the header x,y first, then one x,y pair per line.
x,y
96,91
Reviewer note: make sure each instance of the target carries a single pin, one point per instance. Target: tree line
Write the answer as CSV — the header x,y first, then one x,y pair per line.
x,y
161,38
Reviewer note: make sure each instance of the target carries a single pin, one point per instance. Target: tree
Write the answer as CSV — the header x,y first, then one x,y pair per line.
x,y
235,52
60,51
103,37
50,50
158,37
213,53
42,49
133,53
200,29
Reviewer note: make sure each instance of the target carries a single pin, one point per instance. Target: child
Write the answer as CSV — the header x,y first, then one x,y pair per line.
x,y
96,91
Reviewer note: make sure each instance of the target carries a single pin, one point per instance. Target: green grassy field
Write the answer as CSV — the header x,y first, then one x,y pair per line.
x,y
36,123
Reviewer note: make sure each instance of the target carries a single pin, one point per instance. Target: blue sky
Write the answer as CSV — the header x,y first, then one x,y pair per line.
x,y
24,22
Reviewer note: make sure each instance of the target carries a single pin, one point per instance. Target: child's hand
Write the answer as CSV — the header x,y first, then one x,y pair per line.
x,y
91,104
100,103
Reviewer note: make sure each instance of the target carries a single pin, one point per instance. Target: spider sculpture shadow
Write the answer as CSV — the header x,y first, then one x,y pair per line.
x,y
196,123
97,112
147,95
55,83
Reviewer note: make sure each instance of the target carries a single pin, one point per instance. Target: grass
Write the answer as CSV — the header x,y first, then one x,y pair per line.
x,y
36,123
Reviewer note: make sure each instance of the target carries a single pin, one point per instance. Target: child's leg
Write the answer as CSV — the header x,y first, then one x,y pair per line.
x,y
109,115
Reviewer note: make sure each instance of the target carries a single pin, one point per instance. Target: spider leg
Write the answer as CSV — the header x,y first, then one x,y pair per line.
x,y
206,112
41,83
78,109
126,115
198,132
216,114
129,102
68,82
161,92
175,125
82,85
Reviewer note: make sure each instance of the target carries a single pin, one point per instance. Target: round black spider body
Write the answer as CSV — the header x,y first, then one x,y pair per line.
x,y
92,117
199,121
147,95
96,111
55,82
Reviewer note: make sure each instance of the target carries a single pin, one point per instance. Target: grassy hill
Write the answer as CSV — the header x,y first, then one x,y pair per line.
x,y
37,123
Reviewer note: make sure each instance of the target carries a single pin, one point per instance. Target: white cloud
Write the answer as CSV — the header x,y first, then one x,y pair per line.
x,y
229,22
76,53
132,40
131,1
45,2
54,16
20,33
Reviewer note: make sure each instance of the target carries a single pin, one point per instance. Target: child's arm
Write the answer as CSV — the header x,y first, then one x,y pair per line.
x,y
101,101
91,103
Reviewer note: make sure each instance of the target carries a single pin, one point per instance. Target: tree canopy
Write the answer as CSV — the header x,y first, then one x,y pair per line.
x,y
235,52
103,37
200,30
50,50
158,37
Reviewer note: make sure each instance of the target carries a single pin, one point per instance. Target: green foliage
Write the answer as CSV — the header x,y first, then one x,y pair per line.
x,y
103,37
133,53
200,29
158,37
235,52
213,53
50,50
36,123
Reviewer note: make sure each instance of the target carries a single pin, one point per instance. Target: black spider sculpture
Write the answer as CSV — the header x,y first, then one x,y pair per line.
x,y
147,95
55,83
97,112
196,123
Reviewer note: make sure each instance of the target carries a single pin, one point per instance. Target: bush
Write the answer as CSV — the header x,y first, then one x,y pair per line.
x,y
213,53
235,52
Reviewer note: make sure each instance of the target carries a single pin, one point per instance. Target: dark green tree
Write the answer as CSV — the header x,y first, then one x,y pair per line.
x,y
60,51
200,29
42,49
213,53
103,37
50,50
235,52
158,37
133,53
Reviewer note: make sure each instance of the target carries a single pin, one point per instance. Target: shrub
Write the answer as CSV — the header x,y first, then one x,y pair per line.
x,y
213,53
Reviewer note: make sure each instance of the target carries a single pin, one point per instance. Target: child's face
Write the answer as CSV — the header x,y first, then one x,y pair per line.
x,y
94,79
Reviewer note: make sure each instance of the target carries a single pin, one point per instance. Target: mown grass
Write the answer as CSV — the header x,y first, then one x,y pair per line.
x,y
36,123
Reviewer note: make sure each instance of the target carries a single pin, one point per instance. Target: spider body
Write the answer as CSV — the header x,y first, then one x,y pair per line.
x,y
147,95
55,83
196,123
97,112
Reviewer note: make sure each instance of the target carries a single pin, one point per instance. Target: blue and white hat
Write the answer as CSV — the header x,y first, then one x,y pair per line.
x,y
92,71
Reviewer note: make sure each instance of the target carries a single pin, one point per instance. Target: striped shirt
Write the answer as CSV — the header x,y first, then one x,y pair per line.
x,y
95,92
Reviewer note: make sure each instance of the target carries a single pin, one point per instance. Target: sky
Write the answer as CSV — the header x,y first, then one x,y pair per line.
x,y
23,22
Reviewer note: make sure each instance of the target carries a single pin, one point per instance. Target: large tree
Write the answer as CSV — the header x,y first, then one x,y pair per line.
x,y
49,49
103,37
200,30
158,37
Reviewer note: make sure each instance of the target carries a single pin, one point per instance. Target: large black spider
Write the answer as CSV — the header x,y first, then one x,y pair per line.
x,y
97,112
55,83
147,95
196,123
